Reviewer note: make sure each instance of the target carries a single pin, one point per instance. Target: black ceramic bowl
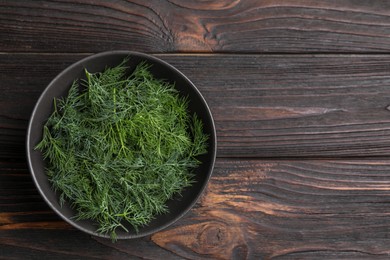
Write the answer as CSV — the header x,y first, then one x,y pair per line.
x,y
96,63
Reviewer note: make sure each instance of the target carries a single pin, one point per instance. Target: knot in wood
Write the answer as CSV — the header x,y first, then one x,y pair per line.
x,y
214,236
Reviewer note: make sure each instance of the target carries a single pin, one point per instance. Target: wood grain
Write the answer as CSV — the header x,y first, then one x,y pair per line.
x,y
292,26
252,209
268,106
295,105
300,93
287,209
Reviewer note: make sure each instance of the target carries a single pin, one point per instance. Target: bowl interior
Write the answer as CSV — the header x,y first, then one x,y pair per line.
x,y
96,63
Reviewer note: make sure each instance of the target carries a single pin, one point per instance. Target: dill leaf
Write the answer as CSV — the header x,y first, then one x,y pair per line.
x,y
119,147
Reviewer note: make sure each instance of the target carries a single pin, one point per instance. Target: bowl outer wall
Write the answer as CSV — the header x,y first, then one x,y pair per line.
x,y
59,86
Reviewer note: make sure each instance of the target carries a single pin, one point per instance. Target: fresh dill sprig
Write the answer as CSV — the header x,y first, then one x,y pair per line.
x,y
118,147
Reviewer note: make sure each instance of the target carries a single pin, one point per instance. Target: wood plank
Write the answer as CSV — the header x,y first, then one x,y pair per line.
x,y
295,105
195,26
264,106
274,209
252,209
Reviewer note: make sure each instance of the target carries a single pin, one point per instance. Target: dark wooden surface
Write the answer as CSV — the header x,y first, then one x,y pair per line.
x,y
300,93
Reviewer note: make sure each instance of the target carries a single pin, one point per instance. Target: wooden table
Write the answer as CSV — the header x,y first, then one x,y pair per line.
x,y
300,93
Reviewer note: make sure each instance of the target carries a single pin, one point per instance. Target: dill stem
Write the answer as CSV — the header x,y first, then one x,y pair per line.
x,y
123,147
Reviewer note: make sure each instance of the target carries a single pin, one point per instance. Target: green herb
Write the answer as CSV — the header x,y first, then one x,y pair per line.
x,y
118,147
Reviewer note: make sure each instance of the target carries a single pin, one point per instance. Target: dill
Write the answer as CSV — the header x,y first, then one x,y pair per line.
x,y
119,147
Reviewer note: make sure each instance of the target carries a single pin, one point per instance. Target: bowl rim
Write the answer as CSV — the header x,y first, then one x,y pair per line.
x,y
212,151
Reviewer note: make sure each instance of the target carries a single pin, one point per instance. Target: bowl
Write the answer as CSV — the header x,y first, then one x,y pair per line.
x,y
59,87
